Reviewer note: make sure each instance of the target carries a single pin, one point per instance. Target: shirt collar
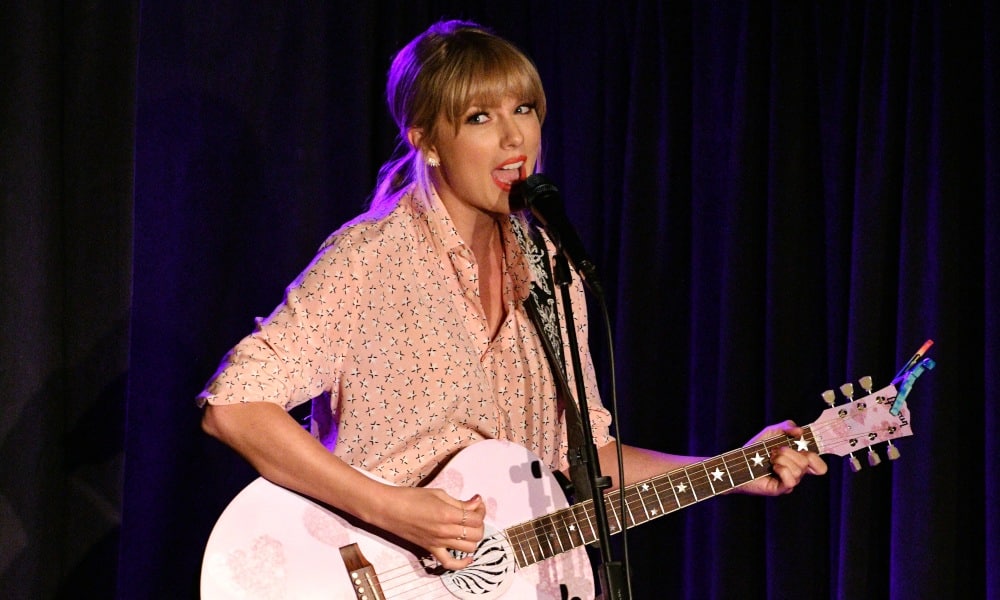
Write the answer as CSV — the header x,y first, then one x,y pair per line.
x,y
445,236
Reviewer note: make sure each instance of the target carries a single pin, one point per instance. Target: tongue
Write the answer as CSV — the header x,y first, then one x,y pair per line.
x,y
506,175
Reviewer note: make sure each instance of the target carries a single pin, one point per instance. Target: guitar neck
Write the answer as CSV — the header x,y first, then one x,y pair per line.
x,y
575,526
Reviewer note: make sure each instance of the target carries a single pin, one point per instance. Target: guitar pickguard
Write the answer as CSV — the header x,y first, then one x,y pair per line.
x,y
491,572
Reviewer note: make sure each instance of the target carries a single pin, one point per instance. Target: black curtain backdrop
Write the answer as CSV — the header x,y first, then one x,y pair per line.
x,y
781,197
67,88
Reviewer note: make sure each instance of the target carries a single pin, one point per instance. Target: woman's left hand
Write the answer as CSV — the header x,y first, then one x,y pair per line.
x,y
788,465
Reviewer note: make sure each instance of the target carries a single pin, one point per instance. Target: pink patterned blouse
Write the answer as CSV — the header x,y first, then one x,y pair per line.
x,y
385,330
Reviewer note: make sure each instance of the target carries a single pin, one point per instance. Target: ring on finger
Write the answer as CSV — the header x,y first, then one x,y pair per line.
x,y
462,537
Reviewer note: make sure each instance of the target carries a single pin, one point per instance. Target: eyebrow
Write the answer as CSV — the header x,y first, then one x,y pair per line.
x,y
483,105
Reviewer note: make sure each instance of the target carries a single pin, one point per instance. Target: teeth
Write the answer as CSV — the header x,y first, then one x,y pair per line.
x,y
513,166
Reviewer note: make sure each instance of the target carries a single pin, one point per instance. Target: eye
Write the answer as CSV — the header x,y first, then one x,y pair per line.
x,y
525,109
477,118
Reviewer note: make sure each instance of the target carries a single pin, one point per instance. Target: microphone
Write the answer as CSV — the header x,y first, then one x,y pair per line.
x,y
539,195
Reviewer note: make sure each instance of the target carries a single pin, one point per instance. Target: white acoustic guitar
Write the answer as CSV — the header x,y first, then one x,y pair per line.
x,y
272,543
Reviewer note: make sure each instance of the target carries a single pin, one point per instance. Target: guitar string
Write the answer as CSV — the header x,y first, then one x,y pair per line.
x,y
540,538
394,580
412,583
414,572
543,537
735,460
533,533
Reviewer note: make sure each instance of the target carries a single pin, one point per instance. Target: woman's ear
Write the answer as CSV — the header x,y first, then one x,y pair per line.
x,y
415,136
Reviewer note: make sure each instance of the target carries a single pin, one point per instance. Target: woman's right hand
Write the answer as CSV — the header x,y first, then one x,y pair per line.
x,y
433,520
283,452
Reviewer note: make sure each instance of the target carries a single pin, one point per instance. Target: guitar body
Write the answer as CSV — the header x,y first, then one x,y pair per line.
x,y
273,543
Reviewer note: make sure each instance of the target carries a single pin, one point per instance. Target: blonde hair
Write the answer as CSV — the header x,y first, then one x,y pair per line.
x,y
442,72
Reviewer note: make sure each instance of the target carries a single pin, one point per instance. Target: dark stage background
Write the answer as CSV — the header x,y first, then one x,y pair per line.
x,y
782,196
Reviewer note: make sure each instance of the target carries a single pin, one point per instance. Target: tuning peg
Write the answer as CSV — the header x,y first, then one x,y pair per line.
x,y
892,451
829,397
847,390
855,463
873,458
866,384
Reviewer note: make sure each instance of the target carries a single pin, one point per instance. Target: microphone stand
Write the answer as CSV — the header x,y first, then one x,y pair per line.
x,y
611,572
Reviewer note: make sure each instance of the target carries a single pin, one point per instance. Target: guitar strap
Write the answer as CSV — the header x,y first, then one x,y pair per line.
x,y
543,312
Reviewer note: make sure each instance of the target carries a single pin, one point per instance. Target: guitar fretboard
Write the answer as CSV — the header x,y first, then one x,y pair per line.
x,y
561,531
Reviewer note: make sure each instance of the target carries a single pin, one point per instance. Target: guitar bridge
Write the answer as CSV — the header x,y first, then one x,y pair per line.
x,y
364,580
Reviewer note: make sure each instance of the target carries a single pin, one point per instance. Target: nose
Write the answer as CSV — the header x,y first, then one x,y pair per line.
x,y
511,136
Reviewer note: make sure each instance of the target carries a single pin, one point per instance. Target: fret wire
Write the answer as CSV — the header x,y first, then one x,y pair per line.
x,y
614,513
659,501
673,489
531,547
747,460
742,466
517,536
547,536
541,538
538,534
588,511
590,521
672,495
688,476
567,528
712,479
526,545
642,503
587,521
729,469
641,508
644,496
637,507
614,502
708,477
563,528
628,509
690,484
579,530
671,481
765,464
551,533
729,473
592,512
627,515
739,465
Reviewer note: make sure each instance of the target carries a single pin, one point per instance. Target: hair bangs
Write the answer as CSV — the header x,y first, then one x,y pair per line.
x,y
486,78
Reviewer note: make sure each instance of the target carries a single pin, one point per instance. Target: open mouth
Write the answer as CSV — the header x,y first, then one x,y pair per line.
x,y
509,172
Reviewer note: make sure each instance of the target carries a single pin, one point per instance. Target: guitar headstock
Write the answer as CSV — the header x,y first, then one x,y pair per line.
x,y
880,416
860,423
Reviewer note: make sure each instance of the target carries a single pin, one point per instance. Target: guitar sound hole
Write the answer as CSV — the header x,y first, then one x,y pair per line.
x,y
490,573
